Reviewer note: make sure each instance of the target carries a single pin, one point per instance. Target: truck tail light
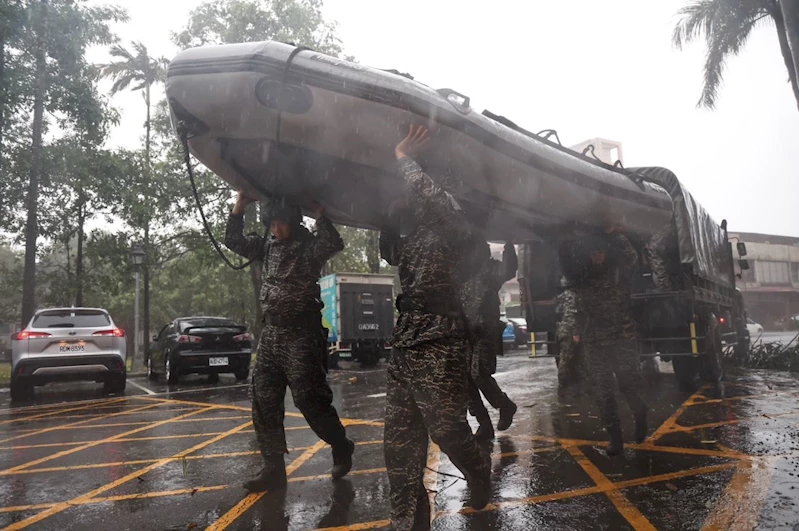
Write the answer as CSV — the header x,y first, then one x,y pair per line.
x,y
116,332
189,339
27,334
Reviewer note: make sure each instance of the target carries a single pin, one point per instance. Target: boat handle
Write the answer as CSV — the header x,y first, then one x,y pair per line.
x,y
456,99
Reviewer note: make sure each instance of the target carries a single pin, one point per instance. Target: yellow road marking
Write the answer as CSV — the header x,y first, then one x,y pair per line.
x,y
72,424
358,527
362,472
251,499
95,416
113,438
732,422
143,423
58,412
669,423
59,507
739,507
629,511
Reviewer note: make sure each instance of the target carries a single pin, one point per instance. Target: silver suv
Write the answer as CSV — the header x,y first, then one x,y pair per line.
x,y
62,344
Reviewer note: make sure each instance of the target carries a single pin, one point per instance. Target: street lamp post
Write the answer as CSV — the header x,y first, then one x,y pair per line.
x,y
137,257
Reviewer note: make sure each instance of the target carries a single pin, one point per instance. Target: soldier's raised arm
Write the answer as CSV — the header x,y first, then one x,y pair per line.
x,y
250,246
628,256
327,241
432,205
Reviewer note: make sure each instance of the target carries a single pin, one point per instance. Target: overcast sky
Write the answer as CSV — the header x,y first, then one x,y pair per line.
x,y
586,68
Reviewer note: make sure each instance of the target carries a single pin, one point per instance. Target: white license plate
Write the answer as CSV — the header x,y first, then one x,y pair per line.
x,y
77,347
217,362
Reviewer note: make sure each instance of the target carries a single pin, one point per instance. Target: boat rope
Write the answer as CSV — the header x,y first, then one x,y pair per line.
x,y
182,131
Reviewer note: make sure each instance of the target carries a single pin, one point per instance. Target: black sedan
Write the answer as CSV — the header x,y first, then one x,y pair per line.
x,y
200,345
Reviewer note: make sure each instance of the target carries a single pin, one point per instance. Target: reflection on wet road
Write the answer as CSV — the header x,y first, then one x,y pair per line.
x,y
173,458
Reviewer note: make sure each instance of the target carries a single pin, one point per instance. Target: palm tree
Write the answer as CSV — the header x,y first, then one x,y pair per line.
x,y
141,71
726,25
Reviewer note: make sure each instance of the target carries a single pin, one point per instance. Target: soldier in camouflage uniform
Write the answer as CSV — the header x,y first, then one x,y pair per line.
x,y
571,366
608,332
292,349
661,253
480,300
428,366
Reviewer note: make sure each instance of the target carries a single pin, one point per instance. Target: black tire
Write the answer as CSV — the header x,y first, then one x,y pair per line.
x,y
713,359
116,384
242,374
332,360
686,369
171,371
369,359
213,377
21,390
152,375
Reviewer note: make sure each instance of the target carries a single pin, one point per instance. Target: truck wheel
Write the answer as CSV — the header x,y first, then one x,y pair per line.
x,y
685,369
369,359
713,360
333,359
242,374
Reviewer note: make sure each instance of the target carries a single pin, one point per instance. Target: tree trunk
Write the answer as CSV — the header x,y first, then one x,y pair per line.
x,y
146,315
3,91
790,16
785,24
373,252
32,223
79,256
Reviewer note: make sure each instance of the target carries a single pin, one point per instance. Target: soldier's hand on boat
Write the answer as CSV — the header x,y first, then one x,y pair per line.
x,y
241,203
413,143
317,209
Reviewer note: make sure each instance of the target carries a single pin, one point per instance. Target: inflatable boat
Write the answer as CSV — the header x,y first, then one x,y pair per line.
x,y
277,120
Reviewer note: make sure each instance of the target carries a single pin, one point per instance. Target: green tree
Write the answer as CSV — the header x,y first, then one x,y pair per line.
x,y
726,26
139,69
51,51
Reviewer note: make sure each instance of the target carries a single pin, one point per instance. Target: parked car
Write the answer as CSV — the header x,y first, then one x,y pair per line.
x,y
793,323
520,331
200,345
508,335
63,344
755,330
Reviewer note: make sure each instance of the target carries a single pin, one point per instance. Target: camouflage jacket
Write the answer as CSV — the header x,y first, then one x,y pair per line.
x,y
429,260
480,293
291,269
603,302
567,312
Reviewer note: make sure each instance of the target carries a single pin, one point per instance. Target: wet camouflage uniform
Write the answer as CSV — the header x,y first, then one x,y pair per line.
x,y
661,246
428,367
292,348
480,299
608,332
571,366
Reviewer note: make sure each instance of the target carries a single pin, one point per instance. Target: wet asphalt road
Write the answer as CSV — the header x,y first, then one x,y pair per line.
x,y
160,458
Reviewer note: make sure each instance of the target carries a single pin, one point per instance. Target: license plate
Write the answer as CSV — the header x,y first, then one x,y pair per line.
x,y
217,362
78,347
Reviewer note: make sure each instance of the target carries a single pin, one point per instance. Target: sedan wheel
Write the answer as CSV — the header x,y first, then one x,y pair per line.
x,y
151,374
170,371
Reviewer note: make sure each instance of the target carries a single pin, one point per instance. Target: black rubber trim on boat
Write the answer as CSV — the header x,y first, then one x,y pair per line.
x,y
444,115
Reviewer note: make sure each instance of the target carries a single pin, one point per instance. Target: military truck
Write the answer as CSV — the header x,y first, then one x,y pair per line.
x,y
687,324
359,316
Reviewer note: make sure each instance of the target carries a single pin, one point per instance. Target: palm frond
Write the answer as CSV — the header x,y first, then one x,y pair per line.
x,y
118,51
123,82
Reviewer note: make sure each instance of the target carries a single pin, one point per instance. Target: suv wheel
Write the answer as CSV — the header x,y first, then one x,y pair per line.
x,y
151,374
20,390
116,384
242,374
170,370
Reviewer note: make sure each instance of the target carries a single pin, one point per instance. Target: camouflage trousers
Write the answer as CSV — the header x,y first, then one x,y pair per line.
x,y
620,358
426,395
291,357
484,356
572,366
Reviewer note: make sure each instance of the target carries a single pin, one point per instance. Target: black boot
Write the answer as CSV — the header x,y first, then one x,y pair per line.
x,y
485,432
480,490
342,459
641,426
616,445
506,413
271,477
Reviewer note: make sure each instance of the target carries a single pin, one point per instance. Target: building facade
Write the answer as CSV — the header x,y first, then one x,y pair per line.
x,y
771,284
